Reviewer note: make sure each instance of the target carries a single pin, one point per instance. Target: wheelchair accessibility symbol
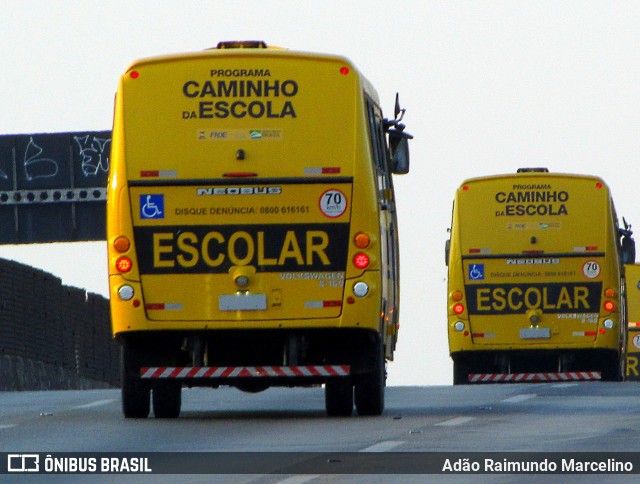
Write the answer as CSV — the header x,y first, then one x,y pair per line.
x,y
476,272
151,206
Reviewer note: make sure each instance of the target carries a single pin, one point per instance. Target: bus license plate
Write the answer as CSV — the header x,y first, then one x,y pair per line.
x,y
242,302
535,333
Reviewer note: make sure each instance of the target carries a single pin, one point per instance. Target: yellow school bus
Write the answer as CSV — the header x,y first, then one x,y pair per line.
x,y
251,225
535,282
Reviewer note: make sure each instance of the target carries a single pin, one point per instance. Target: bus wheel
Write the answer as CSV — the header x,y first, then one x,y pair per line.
x,y
135,392
611,368
338,397
369,388
461,370
167,399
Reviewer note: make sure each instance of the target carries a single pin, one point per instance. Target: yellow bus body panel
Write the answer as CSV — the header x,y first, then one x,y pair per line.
x,y
191,133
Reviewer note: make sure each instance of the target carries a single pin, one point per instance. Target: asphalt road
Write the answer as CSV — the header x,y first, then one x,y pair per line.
x,y
568,417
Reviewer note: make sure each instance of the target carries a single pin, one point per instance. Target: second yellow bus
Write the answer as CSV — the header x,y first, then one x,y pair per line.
x,y
535,287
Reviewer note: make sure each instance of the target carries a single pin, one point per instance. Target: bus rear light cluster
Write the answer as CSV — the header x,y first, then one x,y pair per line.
x,y
362,241
609,305
124,263
457,296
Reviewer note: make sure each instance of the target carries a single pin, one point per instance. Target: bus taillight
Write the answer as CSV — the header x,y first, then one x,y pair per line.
x,y
362,240
361,260
122,244
124,264
609,306
458,308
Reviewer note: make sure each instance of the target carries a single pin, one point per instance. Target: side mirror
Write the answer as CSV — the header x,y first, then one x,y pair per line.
x,y
628,252
399,151
447,250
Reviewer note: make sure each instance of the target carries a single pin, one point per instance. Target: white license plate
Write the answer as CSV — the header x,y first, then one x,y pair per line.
x,y
535,333
242,302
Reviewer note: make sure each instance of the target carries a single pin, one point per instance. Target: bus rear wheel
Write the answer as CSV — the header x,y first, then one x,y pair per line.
x,y
369,388
461,370
135,392
167,399
338,397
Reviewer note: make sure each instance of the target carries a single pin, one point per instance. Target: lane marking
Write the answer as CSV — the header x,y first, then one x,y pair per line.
x,y
519,398
455,421
97,403
383,446
379,447
564,385
2,427
301,479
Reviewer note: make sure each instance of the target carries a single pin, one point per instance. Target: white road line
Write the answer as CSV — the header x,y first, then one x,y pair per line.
x,y
383,446
97,403
519,398
301,479
564,385
455,421
2,427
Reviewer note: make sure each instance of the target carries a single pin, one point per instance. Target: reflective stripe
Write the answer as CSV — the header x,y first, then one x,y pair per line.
x,y
245,371
528,377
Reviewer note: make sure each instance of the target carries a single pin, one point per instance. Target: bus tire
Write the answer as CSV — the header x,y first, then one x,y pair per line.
x,y
167,399
369,388
461,370
611,368
135,392
338,397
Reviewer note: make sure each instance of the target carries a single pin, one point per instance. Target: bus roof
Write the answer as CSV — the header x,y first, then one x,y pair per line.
x,y
529,173
533,212
269,51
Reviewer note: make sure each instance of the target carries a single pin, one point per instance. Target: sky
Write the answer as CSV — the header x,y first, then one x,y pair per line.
x,y
489,86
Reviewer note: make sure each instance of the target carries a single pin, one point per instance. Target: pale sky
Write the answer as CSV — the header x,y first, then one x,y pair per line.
x,y
489,86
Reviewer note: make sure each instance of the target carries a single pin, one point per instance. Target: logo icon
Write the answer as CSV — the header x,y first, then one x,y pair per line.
x,y
151,206
23,463
476,272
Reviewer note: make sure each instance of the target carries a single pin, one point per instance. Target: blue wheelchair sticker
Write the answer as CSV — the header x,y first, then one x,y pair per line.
x,y
476,272
151,206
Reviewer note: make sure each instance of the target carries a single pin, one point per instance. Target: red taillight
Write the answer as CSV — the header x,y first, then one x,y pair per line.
x,y
458,308
134,74
361,260
124,264
609,306
344,70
